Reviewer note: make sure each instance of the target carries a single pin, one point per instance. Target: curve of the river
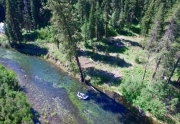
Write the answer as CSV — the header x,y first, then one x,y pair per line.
x,y
52,94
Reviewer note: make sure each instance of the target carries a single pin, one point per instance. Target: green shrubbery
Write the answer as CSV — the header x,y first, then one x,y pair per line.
x,y
158,98
14,108
3,41
41,36
45,35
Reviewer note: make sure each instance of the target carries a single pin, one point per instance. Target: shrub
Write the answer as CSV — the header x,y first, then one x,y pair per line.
x,y
111,32
96,80
45,35
137,60
14,106
131,88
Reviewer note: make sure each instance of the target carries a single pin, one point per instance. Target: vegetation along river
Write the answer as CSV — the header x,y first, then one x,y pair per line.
x,y
52,94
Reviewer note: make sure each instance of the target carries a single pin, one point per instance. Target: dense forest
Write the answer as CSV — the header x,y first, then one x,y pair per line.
x,y
71,23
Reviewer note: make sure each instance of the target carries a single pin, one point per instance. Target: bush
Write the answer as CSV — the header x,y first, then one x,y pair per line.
x,y
131,87
4,42
111,32
155,99
96,80
14,106
44,35
137,60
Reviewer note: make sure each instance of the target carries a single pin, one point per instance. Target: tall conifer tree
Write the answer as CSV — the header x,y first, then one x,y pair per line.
x,y
13,21
65,25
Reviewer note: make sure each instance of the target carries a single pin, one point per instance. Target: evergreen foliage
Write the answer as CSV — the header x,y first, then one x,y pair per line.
x,y
14,108
67,32
13,20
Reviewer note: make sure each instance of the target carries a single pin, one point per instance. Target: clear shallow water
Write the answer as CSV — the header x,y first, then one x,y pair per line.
x,y
50,90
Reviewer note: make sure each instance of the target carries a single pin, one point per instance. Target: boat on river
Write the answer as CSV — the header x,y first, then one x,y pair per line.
x,y
82,96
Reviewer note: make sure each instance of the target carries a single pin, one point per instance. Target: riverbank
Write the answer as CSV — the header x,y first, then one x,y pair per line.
x,y
51,57
49,52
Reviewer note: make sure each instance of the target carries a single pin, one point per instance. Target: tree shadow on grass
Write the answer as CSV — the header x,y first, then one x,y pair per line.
x,y
30,49
111,46
36,116
111,60
31,36
176,85
124,32
132,43
119,43
111,49
101,77
136,30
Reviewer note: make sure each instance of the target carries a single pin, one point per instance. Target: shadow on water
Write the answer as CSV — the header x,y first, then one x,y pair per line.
x,y
111,60
129,114
36,116
30,49
105,102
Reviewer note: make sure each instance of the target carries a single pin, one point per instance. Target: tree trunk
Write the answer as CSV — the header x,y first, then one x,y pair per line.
x,y
76,56
157,66
178,80
97,36
80,69
106,30
175,66
145,69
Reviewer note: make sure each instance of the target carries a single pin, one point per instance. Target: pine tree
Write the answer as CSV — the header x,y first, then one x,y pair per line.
x,y
107,9
65,25
155,35
114,19
2,13
13,21
166,49
177,45
81,4
35,12
92,22
147,19
99,22
27,20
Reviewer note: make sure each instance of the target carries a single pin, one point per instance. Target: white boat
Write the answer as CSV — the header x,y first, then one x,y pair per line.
x,y
82,96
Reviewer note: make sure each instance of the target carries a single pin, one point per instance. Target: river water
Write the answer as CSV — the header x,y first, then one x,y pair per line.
x,y
52,94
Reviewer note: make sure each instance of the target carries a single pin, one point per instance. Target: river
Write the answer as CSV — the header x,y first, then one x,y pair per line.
x,y
52,94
